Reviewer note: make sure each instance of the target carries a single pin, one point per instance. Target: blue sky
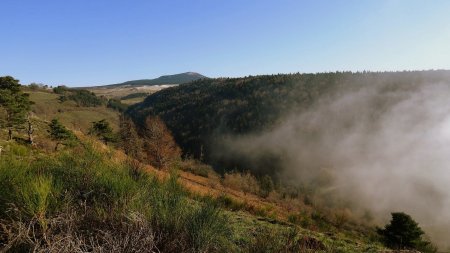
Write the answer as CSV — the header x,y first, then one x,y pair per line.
x,y
87,42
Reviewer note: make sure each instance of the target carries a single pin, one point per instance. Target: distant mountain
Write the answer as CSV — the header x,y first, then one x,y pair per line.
x,y
167,79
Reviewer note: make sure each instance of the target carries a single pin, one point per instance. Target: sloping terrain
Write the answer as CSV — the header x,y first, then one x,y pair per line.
x,y
256,222
167,79
48,106
202,114
148,86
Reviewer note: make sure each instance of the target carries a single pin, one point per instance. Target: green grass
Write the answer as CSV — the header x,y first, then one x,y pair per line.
x,y
132,101
47,106
38,190
64,200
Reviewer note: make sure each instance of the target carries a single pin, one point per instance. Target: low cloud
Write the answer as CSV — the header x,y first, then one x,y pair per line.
x,y
388,149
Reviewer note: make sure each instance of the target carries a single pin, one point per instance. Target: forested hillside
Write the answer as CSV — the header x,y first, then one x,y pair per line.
x,y
202,113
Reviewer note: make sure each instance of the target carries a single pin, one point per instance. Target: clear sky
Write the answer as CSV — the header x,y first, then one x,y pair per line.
x,y
91,42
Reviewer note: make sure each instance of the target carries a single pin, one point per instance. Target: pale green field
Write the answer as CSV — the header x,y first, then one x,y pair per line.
x,y
132,101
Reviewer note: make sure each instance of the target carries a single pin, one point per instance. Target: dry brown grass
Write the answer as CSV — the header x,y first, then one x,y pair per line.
x,y
244,182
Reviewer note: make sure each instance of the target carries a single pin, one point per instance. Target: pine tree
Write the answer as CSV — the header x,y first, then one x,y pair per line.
x,y
15,103
404,233
59,133
103,130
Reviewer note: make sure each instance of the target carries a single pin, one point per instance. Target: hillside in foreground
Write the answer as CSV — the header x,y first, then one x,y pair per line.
x,y
86,196
354,138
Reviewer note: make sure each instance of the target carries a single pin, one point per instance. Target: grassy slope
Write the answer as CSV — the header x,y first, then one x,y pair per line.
x,y
250,232
254,214
47,107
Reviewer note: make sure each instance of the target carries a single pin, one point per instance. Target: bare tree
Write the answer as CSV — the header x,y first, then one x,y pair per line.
x,y
159,144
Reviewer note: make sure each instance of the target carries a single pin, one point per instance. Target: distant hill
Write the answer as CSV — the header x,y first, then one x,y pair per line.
x,y
167,79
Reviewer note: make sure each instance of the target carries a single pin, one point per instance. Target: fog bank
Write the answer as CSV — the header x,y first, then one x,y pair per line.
x,y
388,148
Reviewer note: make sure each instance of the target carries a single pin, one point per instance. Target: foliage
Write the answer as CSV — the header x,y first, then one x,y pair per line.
x,y
103,130
115,104
130,141
82,97
245,182
15,103
266,185
160,148
61,89
37,86
404,233
60,133
195,167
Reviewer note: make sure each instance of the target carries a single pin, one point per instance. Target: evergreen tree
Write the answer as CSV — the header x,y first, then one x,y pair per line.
x,y
15,103
404,233
59,133
103,130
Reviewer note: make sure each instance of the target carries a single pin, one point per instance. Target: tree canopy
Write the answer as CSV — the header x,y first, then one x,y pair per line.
x,y
15,103
103,130
60,133
404,233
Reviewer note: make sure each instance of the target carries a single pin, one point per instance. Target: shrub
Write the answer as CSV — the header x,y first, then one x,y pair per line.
x,y
195,167
61,89
245,182
266,186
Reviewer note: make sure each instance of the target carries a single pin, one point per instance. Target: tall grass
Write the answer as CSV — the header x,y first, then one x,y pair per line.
x,y
92,204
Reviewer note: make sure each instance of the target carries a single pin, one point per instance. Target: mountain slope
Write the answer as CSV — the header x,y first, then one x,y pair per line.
x,y
167,79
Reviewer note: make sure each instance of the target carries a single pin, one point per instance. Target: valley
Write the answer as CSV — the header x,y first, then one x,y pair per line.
x,y
251,190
